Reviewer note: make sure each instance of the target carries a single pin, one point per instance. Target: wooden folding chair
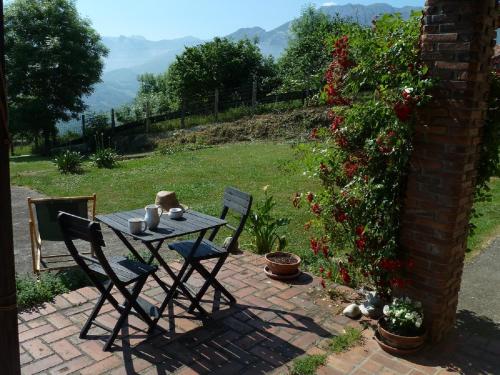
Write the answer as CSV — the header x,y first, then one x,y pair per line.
x,y
44,227
117,271
233,200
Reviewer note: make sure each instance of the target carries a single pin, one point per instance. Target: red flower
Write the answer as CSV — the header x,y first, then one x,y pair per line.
x,y
329,274
411,67
360,230
361,244
350,169
340,216
325,250
345,276
323,284
316,209
341,141
314,134
314,245
337,121
397,283
310,197
321,270
403,111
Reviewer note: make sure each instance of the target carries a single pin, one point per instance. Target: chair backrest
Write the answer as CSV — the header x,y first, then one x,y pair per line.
x,y
239,202
74,227
47,209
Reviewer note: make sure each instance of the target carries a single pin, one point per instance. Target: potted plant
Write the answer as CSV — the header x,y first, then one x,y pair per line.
x,y
265,229
401,330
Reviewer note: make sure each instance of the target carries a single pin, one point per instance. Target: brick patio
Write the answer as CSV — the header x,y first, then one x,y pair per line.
x,y
272,324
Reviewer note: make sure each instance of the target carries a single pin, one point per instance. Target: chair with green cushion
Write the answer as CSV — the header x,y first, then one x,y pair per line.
x,y
44,226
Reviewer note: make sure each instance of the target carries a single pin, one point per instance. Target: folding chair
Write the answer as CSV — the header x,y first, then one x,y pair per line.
x,y
236,201
44,227
128,276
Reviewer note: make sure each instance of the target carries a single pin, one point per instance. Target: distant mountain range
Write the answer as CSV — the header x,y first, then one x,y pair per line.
x,y
131,56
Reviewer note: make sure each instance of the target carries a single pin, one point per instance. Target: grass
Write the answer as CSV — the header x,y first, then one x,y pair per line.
x,y
308,365
198,177
350,338
488,222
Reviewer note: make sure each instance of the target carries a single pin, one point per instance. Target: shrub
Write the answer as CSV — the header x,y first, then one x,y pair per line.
x,y
32,291
264,226
104,158
69,162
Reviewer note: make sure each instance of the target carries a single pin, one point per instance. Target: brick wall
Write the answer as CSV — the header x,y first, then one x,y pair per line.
x,y
457,45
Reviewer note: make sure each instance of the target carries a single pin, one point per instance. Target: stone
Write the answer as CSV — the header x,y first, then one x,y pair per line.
x,y
352,311
369,310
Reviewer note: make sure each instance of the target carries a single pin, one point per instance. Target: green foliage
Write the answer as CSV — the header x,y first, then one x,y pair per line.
x,y
374,83
347,340
103,157
53,59
303,64
69,162
220,64
31,292
96,125
308,364
264,226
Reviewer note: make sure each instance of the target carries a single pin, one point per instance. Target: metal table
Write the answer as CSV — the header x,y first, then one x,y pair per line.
x,y
192,222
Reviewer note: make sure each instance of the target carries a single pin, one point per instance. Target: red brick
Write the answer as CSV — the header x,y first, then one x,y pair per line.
x,y
60,334
41,365
102,367
59,321
37,349
74,298
36,332
65,349
69,367
94,349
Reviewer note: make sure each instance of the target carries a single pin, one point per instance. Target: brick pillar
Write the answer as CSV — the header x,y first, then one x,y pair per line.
x,y
456,44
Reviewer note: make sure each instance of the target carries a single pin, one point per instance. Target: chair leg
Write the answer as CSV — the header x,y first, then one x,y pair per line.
x,y
211,280
129,303
95,311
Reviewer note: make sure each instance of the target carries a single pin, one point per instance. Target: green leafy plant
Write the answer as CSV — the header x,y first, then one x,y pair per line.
x,y
32,291
374,84
308,364
264,226
404,316
103,157
69,162
345,341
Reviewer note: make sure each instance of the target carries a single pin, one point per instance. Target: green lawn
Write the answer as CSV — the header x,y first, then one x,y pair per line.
x,y
198,177
488,224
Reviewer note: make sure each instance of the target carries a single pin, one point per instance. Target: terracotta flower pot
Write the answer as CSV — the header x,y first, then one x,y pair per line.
x,y
396,344
283,264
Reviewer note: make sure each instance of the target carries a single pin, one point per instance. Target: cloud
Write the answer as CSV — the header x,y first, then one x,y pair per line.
x,y
329,4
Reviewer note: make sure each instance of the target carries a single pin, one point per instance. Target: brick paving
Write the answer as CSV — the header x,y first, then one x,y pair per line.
x,y
272,324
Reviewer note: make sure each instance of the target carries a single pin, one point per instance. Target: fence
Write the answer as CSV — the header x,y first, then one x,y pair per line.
x,y
218,102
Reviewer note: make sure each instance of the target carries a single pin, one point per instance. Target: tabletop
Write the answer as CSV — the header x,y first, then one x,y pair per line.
x,y
191,222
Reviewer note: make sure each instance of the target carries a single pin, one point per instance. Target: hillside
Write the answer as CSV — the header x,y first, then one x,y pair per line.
x,y
131,56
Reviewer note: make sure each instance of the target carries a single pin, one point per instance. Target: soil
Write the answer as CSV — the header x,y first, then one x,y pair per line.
x,y
282,259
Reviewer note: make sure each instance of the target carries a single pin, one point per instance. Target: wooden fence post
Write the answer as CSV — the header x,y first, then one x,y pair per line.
x,y
113,124
216,104
254,92
9,340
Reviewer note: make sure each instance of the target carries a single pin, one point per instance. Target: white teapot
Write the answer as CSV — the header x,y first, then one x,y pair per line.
x,y
152,217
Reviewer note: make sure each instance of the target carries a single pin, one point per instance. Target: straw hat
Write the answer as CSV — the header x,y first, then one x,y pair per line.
x,y
168,200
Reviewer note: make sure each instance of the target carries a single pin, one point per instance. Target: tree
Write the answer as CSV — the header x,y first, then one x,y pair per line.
x,y
304,61
54,57
221,64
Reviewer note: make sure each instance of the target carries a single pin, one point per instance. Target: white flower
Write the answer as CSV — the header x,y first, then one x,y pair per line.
x,y
399,313
418,322
409,316
386,310
417,304
407,300
408,90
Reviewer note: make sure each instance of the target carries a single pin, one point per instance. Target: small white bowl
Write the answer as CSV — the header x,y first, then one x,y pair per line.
x,y
175,213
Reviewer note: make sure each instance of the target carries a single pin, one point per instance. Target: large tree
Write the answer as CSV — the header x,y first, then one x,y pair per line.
x,y
304,61
221,64
54,57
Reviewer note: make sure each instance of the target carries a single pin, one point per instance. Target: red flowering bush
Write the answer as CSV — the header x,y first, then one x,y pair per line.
x,y
374,84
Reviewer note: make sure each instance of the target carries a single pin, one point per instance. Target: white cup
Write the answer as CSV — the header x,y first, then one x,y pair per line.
x,y
175,213
137,225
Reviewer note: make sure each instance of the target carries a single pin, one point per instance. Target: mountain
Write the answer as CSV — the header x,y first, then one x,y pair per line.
x,y
131,56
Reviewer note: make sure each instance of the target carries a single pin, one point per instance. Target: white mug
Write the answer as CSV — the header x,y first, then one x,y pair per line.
x,y
137,225
175,213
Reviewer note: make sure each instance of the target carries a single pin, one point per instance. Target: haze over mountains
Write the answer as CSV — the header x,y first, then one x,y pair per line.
x,y
131,56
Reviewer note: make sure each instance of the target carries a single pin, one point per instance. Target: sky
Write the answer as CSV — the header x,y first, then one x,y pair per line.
x,y
168,19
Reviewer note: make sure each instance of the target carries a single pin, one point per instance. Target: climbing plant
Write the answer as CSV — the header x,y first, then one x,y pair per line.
x,y
374,84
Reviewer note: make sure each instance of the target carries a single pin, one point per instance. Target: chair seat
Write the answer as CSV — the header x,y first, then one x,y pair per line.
x,y
207,249
127,270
